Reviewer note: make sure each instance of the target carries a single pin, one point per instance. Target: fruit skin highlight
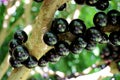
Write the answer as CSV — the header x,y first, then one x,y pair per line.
x,y
21,36
77,27
20,53
62,48
59,25
114,38
102,4
100,19
50,38
113,17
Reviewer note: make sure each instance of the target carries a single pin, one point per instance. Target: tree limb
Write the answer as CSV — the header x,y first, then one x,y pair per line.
x,y
35,44
3,67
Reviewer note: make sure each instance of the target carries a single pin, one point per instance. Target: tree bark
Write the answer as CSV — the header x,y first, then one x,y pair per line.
x,y
35,43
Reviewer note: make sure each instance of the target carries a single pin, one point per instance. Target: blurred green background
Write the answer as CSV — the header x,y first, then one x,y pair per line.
x,y
17,14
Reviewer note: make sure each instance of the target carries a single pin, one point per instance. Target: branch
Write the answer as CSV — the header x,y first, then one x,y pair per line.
x,y
35,43
111,28
28,12
3,67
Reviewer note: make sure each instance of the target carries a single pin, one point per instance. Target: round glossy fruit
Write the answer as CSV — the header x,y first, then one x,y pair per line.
x,y
31,62
90,46
61,8
38,0
42,61
113,17
21,36
75,48
100,19
114,50
14,43
52,56
93,34
114,38
105,38
62,48
79,1
80,41
20,53
91,2
50,38
14,63
102,4
59,25
77,27
105,53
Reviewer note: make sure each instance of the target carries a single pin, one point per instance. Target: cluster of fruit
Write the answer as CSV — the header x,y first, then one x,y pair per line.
x,y
51,38
19,53
102,19
83,38
111,53
99,4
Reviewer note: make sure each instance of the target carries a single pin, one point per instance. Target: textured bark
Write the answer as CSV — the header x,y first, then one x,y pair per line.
x,y
35,44
4,66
